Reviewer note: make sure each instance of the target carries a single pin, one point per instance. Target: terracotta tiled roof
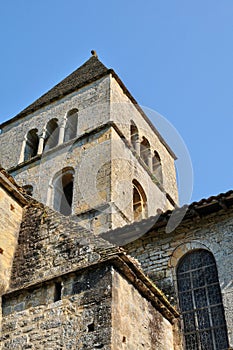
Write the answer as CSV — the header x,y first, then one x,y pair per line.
x,y
196,210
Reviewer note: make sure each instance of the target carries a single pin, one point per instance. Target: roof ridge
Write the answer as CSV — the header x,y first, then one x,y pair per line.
x,y
88,72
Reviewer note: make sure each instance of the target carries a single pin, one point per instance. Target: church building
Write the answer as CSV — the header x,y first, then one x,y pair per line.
x,y
88,190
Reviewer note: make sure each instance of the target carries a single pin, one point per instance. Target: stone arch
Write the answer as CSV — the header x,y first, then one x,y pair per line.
x,y
71,124
200,301
139,202
30,145
183,249
61,191
157,167
51,134
145,151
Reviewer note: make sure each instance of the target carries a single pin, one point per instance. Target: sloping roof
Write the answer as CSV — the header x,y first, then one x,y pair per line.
x,y
90,71
12,187
196,210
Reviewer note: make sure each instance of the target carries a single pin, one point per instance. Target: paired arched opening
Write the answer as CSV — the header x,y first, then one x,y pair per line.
x,y
200,301
71,125
62,185
139,202
51,134
31,145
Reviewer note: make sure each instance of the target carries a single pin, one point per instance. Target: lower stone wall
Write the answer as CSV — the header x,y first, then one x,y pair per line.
x,y
73,313
93,308
136,323
159,254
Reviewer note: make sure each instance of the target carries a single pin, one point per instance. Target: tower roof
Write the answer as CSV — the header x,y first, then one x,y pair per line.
x,y
90,71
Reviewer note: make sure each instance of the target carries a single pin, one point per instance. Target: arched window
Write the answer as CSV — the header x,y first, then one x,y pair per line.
x,y
134,137
145,150
31,145
157,167
51,135
201,302
63,191
71,125
139,202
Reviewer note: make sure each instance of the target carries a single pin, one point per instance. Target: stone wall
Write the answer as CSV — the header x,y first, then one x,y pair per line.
x,y
136,323
96,154
10,220
92,102
77,316
51,244
92,308
122,112
159,253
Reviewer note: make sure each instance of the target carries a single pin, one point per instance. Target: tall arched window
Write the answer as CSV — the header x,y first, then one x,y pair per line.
x,y
71,125
201,302
31,145
157,167
139,202
134,137
51,135
145,150
63,191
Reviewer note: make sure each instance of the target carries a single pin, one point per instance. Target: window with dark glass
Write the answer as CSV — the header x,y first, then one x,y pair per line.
x,y
200,302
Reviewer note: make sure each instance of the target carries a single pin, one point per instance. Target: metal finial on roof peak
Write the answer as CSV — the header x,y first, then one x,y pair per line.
x,y
93,52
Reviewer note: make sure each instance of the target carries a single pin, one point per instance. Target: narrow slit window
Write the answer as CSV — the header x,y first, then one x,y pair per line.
x,y
134,136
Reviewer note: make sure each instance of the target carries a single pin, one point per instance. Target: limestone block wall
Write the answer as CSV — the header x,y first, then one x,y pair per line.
x,y
125,169
77,316
10,220
135,323
88,157
159,253
50,245
92,102
91,308
122,112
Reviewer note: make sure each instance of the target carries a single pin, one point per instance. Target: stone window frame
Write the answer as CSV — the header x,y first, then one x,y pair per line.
x,y
69,170
142,203
71,125
179,252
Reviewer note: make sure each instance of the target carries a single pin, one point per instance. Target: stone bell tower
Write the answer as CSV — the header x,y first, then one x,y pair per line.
x,y
86,149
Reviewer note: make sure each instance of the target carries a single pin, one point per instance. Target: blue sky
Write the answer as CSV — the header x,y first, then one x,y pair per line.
x,y
175,57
